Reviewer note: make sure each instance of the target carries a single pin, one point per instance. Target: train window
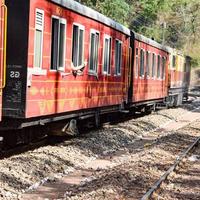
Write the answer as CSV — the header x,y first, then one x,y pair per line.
x,y
148,63
158,67
107,54
39,26
153,65
136,62
94,47
185,67
58,43
141,63
173,61
163,67
118,57
77,45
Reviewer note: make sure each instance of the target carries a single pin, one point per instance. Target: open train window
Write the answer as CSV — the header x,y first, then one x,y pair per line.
x,y
39,27
136,62
153,65
148,61
158,66
163,67
141,63
118,57
107,54
78,45
58,43
94,49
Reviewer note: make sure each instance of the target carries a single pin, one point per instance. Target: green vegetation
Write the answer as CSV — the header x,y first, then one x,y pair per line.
x,y
175,23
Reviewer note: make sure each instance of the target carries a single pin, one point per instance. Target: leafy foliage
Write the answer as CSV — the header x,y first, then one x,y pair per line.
x,y
175,23
115,9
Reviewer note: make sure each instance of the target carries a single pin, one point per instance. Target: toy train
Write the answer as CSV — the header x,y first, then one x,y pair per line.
x,y
61,60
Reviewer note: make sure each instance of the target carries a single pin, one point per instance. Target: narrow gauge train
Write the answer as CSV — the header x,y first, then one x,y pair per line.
x,y
67,62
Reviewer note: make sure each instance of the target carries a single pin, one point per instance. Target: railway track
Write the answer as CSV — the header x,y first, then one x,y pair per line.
x,y
150,193
54,140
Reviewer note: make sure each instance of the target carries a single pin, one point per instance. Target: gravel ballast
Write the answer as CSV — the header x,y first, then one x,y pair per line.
x,y
137,163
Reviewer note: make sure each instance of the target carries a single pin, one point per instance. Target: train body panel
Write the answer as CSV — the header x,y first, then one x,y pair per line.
x,y
65,60
52,81
149,70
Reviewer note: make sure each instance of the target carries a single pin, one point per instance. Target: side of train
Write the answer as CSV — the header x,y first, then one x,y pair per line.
x,y
67,61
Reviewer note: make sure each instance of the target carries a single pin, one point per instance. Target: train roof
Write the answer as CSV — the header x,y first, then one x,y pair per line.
x,y
90,13
174,51
150,42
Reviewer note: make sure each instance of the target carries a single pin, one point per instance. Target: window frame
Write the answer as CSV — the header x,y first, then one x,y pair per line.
x,y
81,27
120,67
60,21
107,72
154,67
158,67
144,53
137,57
94,72
163,74
148,72
40,28
174,60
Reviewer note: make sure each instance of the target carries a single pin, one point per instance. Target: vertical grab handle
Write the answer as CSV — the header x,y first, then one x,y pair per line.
x,y
4,44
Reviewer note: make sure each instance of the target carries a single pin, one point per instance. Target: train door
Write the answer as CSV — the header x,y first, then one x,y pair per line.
x,y
131,68
3,35
130,82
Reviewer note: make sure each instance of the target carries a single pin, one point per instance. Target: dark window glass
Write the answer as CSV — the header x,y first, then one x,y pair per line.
x,y
153,65
54,43
158,67
61,45
80,55
148,60
136,62
174,61
118,57
107,55
75,46
94,46
163,67
57,44
141,63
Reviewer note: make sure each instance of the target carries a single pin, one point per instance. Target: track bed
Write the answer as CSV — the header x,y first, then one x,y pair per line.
x,y
120,160
184,183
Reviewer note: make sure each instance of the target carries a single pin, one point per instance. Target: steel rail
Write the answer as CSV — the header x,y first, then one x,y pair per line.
x,y
169,171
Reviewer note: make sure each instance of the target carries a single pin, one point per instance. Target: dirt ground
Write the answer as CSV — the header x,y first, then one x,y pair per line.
x,y
122,161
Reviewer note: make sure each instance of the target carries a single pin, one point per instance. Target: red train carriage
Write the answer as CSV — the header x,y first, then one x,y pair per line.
x,y
149,72
63,60
3,28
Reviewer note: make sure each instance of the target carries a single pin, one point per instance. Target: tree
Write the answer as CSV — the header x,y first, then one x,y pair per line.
x,y
175,23
115,9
